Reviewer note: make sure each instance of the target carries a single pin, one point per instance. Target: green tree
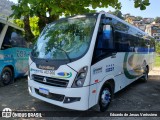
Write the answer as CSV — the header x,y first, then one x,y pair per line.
x,y
19,22
33,21
139,18
117,13
157,20
56,8
158,47
141,4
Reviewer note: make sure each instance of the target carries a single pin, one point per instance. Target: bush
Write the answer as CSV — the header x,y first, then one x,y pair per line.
x,y
158,47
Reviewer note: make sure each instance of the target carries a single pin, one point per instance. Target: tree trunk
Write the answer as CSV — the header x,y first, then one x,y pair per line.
x,y
43,20
28,33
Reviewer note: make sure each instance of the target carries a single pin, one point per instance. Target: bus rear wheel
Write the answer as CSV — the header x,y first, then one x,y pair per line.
x,y
145,75
6,76
105,97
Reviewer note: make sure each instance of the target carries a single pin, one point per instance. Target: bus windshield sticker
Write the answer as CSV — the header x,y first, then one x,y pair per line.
x,y
51,72
46,67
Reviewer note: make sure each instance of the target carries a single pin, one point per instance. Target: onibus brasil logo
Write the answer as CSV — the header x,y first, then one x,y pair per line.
x,y
6,112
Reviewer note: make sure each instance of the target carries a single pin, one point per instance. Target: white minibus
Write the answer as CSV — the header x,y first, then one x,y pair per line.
x,y
80,61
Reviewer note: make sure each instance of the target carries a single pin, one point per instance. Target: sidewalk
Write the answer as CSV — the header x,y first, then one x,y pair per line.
x,y
155,71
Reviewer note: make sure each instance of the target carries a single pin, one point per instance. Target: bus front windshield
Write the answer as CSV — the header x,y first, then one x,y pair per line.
x,y
66,39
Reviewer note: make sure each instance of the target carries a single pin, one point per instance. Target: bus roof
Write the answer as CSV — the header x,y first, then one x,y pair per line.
x,y
132,26
5,21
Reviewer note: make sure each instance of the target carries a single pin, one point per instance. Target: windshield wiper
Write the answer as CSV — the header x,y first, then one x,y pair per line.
x,y
65,53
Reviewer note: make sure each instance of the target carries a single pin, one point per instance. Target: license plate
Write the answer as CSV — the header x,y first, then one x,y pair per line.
x,y
44,91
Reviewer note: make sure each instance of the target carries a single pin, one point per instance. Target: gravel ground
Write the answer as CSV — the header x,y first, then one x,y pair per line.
x,y
138,96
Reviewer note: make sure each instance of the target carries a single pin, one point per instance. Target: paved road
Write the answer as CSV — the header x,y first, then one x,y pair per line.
x,y
137,96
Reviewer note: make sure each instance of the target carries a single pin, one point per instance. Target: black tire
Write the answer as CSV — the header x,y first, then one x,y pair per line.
x,y
145,74
6,76
105,97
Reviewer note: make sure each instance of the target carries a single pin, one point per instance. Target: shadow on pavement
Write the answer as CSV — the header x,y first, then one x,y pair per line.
x,y
138,96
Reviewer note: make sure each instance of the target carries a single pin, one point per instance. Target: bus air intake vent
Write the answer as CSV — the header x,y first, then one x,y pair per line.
x,y
50,81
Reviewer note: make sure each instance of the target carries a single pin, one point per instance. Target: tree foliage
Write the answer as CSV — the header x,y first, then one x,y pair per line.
x,y
117,13
19,22
34,25
33,21
157,20
56,8
141,4
138,18
158,47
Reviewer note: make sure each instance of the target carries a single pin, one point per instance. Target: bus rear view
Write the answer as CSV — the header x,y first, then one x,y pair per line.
x,y
81,61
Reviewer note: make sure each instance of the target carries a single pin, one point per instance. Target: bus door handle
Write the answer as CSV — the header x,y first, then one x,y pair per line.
x,y
113,55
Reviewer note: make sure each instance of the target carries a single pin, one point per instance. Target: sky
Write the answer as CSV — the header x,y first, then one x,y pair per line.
x,y
128,7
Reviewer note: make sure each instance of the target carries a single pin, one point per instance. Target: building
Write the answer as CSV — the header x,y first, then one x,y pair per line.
x,y
153,30
140,24
142,27
148,20
130,19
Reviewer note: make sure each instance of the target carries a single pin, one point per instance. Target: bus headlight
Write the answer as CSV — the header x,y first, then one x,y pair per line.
x,y
79,83
82,75
80,78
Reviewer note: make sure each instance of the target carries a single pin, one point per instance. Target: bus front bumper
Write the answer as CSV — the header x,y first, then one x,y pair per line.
x,y
72,98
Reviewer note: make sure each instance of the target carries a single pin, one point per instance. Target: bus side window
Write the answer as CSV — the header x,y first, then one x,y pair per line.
x,y
6,42
17,39
14,38
122,42
104,44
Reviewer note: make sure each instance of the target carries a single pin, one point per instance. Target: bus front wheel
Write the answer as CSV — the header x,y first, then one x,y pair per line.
x,y
6,76
105,97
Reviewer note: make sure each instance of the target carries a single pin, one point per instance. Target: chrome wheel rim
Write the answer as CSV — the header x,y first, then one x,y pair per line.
x,y
6,77
105,97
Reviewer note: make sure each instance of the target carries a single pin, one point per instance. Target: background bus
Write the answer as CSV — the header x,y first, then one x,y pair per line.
x,y
83,60
13,53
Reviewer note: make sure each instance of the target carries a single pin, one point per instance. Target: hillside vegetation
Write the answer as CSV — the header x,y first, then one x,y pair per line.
x,y
5,8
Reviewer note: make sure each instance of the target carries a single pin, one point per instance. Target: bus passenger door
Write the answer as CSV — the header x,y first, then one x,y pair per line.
x,y
102,61
22,56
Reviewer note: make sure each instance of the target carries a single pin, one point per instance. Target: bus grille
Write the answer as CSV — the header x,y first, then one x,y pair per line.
x,y
52,96
50,81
